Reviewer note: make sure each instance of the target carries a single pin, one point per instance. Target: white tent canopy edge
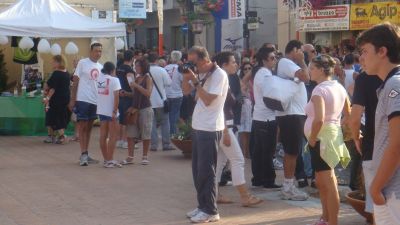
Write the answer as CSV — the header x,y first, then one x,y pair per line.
x,y
53,19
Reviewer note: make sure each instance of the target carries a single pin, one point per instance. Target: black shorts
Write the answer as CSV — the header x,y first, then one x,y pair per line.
x,y
291,133
317,163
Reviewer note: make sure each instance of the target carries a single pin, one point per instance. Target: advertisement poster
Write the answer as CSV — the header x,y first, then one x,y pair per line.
x,y
325,19
231,37
363,16
132,9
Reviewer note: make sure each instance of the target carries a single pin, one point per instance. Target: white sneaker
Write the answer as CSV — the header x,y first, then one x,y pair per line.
x,y
293,194
277,164
203,217
145,161
281,153
193,213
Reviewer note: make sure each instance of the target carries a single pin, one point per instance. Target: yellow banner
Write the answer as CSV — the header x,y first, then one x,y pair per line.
x,y
363,16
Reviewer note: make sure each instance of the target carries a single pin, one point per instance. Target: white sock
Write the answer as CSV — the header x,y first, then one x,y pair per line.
x,y
287,183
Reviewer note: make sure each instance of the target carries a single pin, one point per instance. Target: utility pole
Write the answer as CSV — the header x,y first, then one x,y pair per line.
x,y
246,32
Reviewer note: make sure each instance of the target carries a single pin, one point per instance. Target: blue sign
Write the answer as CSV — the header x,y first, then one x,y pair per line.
x,y
135,9
185,28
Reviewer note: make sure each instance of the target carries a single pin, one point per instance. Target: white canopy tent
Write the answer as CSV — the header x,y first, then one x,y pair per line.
x,y
53,19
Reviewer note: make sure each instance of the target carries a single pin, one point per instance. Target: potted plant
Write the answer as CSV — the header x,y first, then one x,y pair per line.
x,y
183,139
357,199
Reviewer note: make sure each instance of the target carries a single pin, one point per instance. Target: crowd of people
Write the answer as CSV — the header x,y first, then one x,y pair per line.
x,y
312,103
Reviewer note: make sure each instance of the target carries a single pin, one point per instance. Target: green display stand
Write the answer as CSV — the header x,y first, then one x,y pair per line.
x,y
23,116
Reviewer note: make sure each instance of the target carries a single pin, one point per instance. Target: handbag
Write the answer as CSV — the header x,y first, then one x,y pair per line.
x,y
166,104
279,92
131,116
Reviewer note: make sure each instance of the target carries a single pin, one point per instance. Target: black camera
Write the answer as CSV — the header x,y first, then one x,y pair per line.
x,y
184,68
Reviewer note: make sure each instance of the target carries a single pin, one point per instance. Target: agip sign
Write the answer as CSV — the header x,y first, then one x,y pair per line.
x,y
363,16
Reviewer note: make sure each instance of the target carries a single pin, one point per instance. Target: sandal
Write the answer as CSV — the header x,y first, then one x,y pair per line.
x,y
223,200
74,138
60,140
251,201
127,161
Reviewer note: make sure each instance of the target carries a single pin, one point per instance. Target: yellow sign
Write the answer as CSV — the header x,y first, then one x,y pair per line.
x,y
363,16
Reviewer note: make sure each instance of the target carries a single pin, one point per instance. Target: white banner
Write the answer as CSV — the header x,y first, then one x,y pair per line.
x,y
232,35
327,18
132,9
237,9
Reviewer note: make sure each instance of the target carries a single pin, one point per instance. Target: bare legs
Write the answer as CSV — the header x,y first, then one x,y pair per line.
x,y
289,165
108,129
329,195
244,143
85,129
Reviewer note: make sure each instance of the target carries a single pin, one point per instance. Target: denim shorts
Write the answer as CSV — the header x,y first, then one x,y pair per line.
x,y
85,111
105,118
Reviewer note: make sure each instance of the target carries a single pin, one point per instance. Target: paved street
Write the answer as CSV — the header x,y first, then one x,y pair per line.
x,y
42,184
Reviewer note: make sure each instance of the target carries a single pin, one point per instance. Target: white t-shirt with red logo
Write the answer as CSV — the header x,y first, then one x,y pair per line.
x,y
88,72
106,85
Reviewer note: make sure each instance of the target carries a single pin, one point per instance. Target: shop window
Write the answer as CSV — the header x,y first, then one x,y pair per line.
x,y
152,38
178,38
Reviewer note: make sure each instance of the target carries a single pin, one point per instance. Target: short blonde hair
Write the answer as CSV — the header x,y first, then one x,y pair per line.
x,y
60,59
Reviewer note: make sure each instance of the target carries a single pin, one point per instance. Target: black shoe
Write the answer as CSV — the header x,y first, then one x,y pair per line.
x,y
272,186
302,183
313,183
255,183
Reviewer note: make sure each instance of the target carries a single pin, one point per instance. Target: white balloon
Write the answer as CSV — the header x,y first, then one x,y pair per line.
x,y
56,49
3,40
119,44
26,43
44,46
71,48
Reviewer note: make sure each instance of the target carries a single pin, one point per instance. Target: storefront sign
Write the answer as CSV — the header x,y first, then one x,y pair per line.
x,y
328,18
237,9
363,16
132,9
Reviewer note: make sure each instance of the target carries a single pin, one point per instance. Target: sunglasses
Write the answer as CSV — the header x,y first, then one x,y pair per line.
x,y
247,68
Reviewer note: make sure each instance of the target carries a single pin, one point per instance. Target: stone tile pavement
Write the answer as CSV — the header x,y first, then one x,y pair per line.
x,y
42,184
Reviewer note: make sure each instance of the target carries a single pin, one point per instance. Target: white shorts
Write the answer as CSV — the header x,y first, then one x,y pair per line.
x,y
368,177
389,213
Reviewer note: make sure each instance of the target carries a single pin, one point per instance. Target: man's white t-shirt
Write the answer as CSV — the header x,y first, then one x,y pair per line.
x,y
287,69
162,79
106,85
211,118
88,72
175,89
260,84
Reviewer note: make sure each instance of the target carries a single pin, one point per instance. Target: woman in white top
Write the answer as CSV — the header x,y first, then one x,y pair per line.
x,y
247,108
229,145
108,88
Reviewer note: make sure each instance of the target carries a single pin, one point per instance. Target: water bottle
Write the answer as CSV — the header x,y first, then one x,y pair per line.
x,y
38,87
23,90
15,91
